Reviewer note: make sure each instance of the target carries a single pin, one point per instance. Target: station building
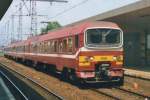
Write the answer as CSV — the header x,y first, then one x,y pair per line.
x,y
134,19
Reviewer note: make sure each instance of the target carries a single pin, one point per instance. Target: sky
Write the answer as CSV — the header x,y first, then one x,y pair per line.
x,y
64,13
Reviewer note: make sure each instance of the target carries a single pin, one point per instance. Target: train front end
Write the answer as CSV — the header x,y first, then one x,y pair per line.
x,y
101,57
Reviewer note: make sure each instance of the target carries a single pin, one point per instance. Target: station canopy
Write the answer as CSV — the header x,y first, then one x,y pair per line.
x,y
136,14
4,4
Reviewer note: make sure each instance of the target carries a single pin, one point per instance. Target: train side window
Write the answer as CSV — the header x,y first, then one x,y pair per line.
x,y
46,46
76,41
64,45
32,48
38,47
49,46
60,46
52,46
70,44
55,46
41,46
35,48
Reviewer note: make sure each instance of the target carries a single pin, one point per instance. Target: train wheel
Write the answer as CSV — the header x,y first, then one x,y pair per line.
x,y
72,77
121,81
65,75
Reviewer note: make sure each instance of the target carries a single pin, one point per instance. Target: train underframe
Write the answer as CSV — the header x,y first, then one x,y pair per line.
x,y
103,73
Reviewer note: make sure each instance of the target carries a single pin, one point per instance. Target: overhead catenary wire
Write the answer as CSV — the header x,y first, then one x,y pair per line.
x,y
70,8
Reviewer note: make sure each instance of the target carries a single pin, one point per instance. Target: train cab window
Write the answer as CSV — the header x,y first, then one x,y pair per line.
x,y
70,44
76,41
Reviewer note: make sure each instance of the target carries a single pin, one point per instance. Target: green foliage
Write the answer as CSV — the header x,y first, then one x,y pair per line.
x,y
50,26
1,53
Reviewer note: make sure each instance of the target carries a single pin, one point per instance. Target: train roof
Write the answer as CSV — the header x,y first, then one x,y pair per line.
x,y
68,31
76,29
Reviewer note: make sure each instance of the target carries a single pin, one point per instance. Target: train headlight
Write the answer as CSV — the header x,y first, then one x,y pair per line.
x,y
117,58
114,58
89,58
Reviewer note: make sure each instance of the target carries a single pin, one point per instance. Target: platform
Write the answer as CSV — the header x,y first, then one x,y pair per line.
x,y
145,68
137,73
5,94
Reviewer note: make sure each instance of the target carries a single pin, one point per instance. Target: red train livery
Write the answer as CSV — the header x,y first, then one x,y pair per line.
x,y
89,51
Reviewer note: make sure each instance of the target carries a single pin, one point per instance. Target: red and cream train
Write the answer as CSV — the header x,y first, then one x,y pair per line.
x,y
90,51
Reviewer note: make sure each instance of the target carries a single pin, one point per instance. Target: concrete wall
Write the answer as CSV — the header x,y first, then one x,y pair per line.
x,y
135,44
148,47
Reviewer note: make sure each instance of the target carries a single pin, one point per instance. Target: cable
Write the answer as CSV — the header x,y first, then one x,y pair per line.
x,y
70,8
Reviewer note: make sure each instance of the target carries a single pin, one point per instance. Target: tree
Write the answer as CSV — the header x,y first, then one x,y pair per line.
x,y
50,26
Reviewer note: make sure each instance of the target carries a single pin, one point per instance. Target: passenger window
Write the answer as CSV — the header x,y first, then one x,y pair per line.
x,y
60,46
39,47
55,46
49,47
76,41
52,46
45,46
64,45
70,44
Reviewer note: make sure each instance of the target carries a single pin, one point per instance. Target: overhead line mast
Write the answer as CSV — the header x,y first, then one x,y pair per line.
x,y
33,13
20,23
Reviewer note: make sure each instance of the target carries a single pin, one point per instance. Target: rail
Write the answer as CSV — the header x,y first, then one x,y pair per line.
x,y
18,91
58,97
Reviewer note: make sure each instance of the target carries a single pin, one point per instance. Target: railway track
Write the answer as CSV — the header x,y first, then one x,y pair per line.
x,y
105,94
121,94
137,77
112,93
10,72
133,93
16,90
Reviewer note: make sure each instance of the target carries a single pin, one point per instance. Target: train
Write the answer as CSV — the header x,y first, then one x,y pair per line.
x,y
90,52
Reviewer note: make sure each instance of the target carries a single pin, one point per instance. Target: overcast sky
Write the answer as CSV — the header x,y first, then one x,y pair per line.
x,y
64,13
